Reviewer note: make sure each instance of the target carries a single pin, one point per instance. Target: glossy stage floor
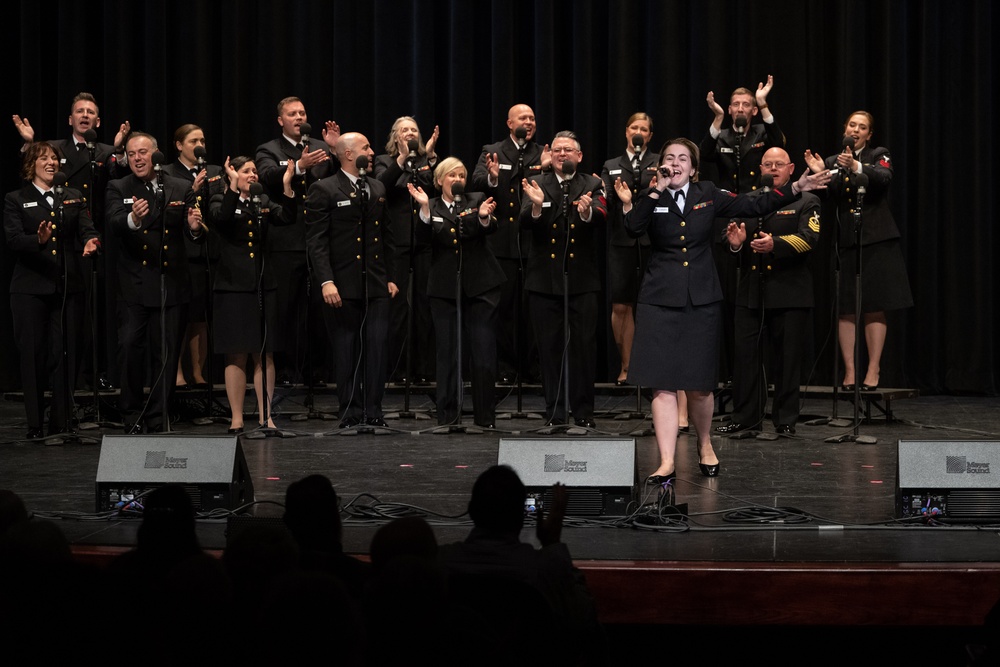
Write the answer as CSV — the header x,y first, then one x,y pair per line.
x,y
795,531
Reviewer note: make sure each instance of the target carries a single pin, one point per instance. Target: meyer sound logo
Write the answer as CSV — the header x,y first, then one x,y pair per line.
x,y
161,460
558,463
959,464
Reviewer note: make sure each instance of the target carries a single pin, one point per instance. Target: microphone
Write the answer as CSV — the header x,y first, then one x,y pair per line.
x,y
521,135
199,155
568,168
362,164
158,160
59,183
637,143
740,122
305,129
90,137
457,190
256,190
767,182
861,182
411,145
847,142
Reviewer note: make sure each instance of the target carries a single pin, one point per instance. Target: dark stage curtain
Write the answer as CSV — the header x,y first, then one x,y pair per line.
x,y
919,67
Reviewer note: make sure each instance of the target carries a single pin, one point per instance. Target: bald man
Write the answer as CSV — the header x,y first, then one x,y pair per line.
x,y
499,172
347,232
775,301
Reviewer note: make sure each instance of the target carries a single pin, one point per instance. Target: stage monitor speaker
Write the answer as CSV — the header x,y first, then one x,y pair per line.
x,y
212,469
951,479
599,473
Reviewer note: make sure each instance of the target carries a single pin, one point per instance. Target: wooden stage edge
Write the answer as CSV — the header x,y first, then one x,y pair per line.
x,y
770,594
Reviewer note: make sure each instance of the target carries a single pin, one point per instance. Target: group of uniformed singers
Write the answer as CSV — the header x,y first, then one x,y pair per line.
x,y
410,256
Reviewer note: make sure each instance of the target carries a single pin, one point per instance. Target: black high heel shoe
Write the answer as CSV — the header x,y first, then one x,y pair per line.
x,y
653,480
709,470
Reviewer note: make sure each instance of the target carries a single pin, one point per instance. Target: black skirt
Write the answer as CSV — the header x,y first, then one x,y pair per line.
x,y
884,283
236,319
676,348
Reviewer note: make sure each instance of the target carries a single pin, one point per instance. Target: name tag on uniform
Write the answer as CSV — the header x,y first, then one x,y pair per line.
x,y
346,202
283,163
30,204
238,212
546,204
723,149
661,209
506,167
62,161
615,172
128,200
437,218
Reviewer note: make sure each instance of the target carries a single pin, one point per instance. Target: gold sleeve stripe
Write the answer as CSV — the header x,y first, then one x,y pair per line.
x,y
798,243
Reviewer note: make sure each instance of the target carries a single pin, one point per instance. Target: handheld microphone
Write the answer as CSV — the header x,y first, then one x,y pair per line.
x,y
847,142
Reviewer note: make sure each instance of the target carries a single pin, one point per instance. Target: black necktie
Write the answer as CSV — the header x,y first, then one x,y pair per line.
x,y
80,146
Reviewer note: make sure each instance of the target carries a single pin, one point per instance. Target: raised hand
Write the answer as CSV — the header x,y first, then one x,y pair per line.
x,y
814,161
534,192
736,234
763,90
23,127
331,133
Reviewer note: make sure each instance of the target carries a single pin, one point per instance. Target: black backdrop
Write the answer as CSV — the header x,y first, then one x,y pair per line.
x,y
924,69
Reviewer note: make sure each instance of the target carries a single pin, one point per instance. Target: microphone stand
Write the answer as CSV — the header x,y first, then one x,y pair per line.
x,y
95,382
160,204
204,195
861,186
519,413
411,328
67,433
636,186
458,427
563,428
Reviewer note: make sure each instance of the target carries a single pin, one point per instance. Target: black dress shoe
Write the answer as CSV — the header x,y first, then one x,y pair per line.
x,y
103,384
731,427
34,433
377,421
653,480
585,423
133,429
235,431
621,383
847,387
784,429
684,429
489,427
556,422
869,387
709,470
350,422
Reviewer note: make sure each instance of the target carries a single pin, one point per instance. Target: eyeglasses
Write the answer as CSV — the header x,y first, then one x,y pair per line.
x,y
774,165
563,150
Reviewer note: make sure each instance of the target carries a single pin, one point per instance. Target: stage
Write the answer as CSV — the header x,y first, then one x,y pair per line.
x,y
833,557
